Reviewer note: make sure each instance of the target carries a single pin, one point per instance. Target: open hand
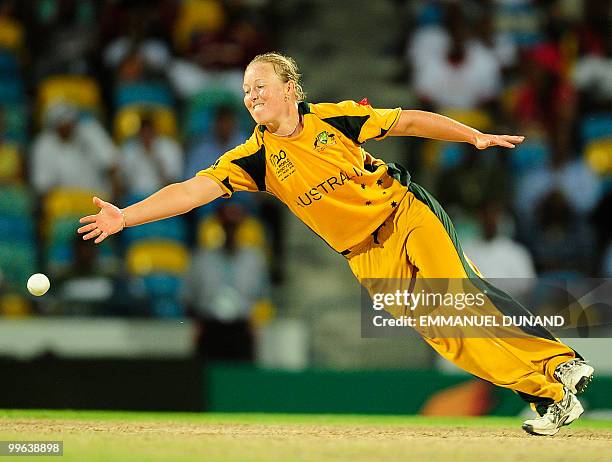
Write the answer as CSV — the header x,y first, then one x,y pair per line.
x,y
109,220
484,140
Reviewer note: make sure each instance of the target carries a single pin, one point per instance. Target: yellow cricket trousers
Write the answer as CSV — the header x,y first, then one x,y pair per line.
x,y
419,240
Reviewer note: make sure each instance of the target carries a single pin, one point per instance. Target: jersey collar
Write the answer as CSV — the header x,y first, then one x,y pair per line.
x,y
303,109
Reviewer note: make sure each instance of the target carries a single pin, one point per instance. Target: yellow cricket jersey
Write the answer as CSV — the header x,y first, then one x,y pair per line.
x,y
322,174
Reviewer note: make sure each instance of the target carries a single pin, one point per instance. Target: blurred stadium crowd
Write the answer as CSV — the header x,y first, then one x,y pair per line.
x,y
119,98
541,69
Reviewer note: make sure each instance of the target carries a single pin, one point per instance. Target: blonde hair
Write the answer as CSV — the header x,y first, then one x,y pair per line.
x,y
286,68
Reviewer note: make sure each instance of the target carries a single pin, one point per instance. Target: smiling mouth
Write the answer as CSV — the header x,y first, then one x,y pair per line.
x,y
255,106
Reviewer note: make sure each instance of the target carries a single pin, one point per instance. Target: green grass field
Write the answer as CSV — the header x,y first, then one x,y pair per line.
x,y
129,436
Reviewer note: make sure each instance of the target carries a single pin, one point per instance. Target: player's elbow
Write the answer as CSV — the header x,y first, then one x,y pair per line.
x,y
198,191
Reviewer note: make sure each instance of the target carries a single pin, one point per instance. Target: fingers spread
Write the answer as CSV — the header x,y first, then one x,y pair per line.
x,y
86,228
101,237
88,219
94,233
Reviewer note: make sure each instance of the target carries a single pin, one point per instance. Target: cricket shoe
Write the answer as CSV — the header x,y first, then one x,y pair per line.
x,y
556,416
575,374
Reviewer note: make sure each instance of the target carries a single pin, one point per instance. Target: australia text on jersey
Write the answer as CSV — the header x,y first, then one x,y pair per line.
x,y
316,193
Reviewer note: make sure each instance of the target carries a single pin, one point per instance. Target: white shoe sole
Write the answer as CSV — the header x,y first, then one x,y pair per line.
x,y
574,414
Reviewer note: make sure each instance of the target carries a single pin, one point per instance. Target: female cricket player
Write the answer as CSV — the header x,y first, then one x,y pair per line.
x,y
310,157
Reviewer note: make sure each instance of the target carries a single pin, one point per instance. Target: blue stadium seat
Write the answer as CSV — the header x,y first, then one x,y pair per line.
x,y
451,155
606,185
60,256
173,229
15,200
17,229
17,263
11,91
198,122
528,155
429,14
63,230
60,242
9,65
167,308
16,122
201,108
162,285
163,292
143,93
596,126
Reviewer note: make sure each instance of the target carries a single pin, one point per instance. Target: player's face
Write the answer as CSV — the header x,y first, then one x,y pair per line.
x,y
264,93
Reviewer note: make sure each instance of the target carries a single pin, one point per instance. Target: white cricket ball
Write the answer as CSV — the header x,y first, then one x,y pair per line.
x,y
38,284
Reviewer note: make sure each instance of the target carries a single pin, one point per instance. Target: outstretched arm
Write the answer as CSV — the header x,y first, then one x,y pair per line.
x,y
438,127
169,201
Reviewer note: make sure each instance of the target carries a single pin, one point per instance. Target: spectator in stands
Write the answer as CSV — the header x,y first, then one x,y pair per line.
x,y
139,39
553,203
71,27
230,48
602,223
73,153
594,28
563,173
593,78
475,178
502,45
545,100
458,73
495,253
221,289
149,161
556,225
86,289
216,55
224,136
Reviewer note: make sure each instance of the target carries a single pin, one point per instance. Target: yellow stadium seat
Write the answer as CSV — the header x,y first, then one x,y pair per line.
x,y
157,256
210,233
10,163
250,233
127,121
11,34
262,313
599,156
14,306
509,98
64,201
197,15
431,153
81,91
